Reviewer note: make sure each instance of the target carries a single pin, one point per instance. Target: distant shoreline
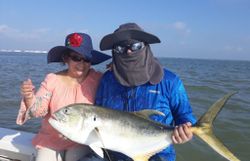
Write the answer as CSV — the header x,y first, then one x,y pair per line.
x,y
179,58
204,59
23,51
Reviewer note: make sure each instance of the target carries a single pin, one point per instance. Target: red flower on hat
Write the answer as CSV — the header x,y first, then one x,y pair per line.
x,y
75,40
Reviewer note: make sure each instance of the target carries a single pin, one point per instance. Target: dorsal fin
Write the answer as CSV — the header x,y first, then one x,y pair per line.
x,y
147,113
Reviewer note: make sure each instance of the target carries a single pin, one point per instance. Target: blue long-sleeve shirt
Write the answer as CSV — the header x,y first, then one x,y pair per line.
x,y
168,96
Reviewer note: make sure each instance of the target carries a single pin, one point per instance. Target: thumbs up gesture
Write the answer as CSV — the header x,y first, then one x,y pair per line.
x,y
27,89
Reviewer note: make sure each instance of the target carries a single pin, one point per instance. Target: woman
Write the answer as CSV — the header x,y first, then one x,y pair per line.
x,y
76,84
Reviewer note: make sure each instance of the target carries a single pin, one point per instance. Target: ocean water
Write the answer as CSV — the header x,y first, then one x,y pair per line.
x,y
205,80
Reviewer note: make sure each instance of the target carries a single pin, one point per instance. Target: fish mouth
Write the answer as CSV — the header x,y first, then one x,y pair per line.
x,y
59,118
53,117
63,136
52,121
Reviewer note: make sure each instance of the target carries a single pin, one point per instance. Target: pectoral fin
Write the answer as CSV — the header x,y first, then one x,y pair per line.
x,y
97,150
95,143
100,144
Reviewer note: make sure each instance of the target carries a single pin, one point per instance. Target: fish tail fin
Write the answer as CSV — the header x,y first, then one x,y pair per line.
x,y
203,128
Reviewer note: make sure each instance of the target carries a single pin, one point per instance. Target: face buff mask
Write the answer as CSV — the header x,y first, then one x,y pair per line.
x,y
137,68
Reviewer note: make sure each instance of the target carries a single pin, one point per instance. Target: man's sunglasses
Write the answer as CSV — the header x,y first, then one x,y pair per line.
x,y
121,49
76,58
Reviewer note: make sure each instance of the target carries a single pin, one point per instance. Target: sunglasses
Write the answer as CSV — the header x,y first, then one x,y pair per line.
x,y
76,58
121,49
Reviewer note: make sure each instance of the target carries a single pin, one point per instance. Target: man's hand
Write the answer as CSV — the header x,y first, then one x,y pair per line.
x,y
182,133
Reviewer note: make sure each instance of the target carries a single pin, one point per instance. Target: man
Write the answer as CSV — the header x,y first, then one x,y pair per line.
x,y
137,81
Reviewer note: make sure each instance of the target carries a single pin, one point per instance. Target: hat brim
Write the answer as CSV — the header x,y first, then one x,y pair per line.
x,y
98,57
56,53
110,40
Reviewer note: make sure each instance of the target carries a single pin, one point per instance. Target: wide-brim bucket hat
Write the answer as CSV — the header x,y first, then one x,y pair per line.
x,y
80,43
127,32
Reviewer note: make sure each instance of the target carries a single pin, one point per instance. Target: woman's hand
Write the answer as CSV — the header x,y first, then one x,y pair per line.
x,y
27,89
182,133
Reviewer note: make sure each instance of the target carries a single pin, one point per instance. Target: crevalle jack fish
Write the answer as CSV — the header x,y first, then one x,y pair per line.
x,y
131,133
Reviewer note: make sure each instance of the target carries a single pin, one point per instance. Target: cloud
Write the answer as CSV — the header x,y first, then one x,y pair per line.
x,y
180,27
40,38
3,28
230,48
18,34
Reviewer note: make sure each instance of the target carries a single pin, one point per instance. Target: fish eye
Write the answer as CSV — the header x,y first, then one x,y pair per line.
x,y
65,110
94,118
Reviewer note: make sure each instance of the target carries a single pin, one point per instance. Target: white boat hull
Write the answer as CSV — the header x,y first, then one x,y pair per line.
x,y
16,145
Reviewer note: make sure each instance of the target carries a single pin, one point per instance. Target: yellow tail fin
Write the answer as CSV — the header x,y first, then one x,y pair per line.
x,y
203,129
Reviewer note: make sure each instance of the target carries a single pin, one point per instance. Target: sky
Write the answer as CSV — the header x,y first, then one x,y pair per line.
x,y
203,29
